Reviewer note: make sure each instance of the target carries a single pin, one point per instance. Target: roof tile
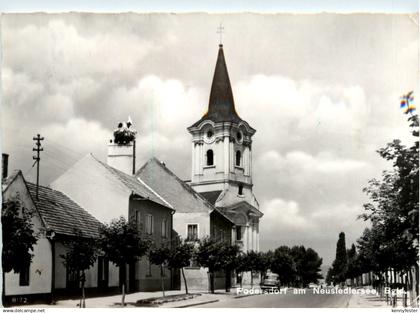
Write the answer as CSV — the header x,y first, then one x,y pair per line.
x,y
61,214
181,196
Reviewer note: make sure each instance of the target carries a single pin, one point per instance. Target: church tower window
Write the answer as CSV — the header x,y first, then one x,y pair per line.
x,y
210,157
239,136
241,190
238,158
238,233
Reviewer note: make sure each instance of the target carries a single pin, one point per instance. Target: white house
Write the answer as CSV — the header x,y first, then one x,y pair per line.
x,y
108,191
55,219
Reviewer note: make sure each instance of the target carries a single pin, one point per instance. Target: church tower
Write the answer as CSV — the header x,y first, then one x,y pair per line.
x,y
222,141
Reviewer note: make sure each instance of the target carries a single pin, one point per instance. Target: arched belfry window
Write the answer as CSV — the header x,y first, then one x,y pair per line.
x,y
241,190
210,157
238,158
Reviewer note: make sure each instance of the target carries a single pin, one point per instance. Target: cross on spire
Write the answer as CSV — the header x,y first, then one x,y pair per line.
x,y
220,30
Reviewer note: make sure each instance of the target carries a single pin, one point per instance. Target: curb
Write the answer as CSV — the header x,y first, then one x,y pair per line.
x,y
195,304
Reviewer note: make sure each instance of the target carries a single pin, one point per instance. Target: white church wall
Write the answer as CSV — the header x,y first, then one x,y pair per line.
x,y
231,196
181,220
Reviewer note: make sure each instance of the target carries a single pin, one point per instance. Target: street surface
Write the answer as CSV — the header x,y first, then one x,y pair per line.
x,y
289,300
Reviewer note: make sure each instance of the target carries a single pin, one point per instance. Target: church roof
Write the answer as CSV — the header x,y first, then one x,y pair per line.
x,y
61,214
180,195
242,205
221,104
137,185
211,196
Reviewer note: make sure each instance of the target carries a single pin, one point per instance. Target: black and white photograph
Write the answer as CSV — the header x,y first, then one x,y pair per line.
x,y
226,159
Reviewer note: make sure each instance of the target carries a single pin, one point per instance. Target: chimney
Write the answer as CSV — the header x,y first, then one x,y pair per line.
x,y
4,165
121,150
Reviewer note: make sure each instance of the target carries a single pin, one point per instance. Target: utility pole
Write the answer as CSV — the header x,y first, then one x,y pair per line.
x,y
37,158
134,156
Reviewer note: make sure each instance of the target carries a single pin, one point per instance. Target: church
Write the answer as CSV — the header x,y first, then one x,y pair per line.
x,y
217,202
222,160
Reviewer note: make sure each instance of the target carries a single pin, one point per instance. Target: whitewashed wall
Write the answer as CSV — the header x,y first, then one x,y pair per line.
x,y
40,268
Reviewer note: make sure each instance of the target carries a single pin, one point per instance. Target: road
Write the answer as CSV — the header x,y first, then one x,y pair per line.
x,y
288,300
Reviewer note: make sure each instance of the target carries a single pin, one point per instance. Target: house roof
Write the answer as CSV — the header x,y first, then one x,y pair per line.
x,y
5,183
61,214
137,185
211,196
180,195
221,104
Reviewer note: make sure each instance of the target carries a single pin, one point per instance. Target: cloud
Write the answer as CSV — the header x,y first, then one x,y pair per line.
x,y
78,135
285,223
67,52
320,110
302,105
275,211
323,163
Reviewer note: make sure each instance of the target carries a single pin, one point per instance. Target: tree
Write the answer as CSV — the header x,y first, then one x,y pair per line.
x,y
328,278
122,245
310,267
160,256
284,265
208,255
81,255
298,255
241,266
339,267
264,262
352,264
393,209
251,263
229,262
19,237
180,257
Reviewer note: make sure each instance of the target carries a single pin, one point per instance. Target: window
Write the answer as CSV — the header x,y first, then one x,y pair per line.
x,y
149,268
164,229
238,136
149,224
138,220
222,235
192,232
210,157
24,276
103,270
238,158
238,233
209,134
72,278
240,190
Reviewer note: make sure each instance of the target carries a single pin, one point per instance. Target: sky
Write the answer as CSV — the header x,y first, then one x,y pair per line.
x,y
322,91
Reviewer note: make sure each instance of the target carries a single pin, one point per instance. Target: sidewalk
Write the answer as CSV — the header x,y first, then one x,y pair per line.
x,y
131,299
107,301
219,295
369,301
